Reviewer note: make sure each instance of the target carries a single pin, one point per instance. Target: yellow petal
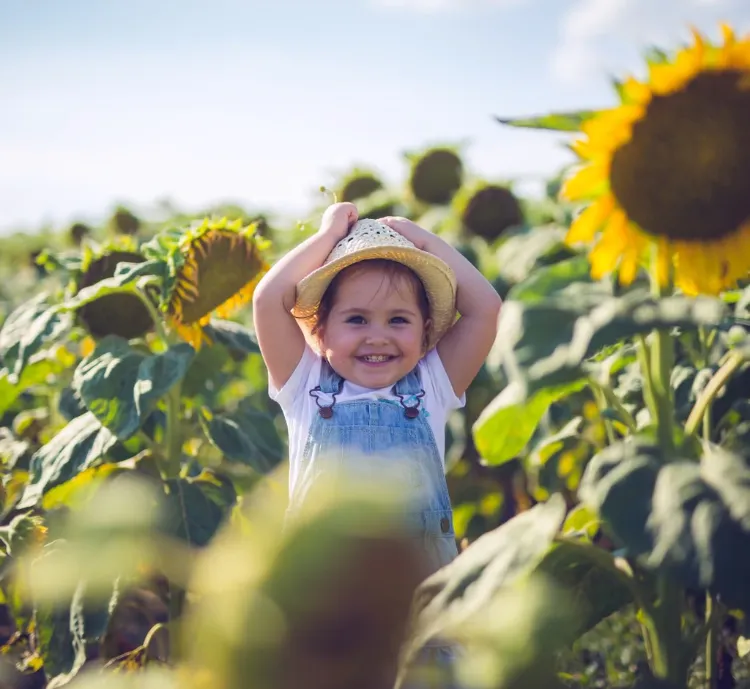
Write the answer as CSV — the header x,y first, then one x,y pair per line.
x,y
636,92
635,246
663,263
587,182
613,243
588,223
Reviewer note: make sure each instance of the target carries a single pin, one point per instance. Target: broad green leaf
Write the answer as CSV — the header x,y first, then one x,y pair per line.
x,y
585,576
247,435
125,273
12,450
523,249
508,423
235,337
35,373
559,122
464,587
551,280
26,331
80,488
687,519
121,385
548,343
196,508
65,630
75,448
513,642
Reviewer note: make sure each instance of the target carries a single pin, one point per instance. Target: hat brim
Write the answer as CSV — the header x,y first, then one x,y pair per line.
x,y
436,276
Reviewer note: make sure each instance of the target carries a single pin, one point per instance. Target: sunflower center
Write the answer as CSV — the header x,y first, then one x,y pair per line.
x,y
685,173
225,262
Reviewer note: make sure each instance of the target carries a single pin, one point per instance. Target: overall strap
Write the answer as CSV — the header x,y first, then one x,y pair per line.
x,y
330,381
410,393
410,384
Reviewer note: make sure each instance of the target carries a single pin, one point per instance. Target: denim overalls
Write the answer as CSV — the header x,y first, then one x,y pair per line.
x,y
384,439
393,439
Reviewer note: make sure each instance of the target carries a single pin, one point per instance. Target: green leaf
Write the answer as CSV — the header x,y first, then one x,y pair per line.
x,y
548,343
464,587
121,385
65,631
35,373
247,435
687,519
523,249
196,508
75,448
550,280
125,273
508,423
26,330
235,337
594,590
559,122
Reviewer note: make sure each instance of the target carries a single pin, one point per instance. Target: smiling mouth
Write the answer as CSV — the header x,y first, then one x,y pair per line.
x,y
376,358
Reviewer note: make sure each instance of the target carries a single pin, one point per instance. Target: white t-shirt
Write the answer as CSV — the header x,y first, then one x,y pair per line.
x,y
299,406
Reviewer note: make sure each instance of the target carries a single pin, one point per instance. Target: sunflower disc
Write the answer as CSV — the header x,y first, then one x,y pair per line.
x,y
113,314
436,176
490,211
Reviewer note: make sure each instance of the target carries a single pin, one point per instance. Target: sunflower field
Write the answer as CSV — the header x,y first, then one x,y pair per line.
x,y
599,472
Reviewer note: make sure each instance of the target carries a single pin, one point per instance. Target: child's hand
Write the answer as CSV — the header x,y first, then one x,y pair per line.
x,y
338,219
406,228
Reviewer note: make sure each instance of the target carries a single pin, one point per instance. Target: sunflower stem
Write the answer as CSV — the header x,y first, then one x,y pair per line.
x,y
173,438
712,642
643,353
720,378
612,400
155,315
661,364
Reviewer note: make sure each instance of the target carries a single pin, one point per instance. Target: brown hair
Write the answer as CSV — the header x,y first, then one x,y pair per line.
x,y
392,272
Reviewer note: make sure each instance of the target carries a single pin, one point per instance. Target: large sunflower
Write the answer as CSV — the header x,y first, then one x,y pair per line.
x,y
214,268
668,171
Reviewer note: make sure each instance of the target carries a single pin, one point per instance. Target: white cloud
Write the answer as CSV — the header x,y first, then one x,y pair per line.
x,y
441,6
598,37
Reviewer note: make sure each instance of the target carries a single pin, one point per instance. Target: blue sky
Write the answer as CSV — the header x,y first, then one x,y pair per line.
x,y
262,102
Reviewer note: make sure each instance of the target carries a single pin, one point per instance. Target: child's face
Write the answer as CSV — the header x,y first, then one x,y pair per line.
x,y
375,332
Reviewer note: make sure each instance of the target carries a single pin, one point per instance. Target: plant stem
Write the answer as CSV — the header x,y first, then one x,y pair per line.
x,y
156,317
662,361
702,405
712,643
173,439
614,401
644,361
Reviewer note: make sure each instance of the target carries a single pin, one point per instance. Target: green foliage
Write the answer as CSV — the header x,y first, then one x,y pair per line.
x,y
689,519
558,122
548,343
120,385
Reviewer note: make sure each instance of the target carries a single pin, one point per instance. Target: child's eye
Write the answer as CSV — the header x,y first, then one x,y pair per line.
x,y
356,320
399,319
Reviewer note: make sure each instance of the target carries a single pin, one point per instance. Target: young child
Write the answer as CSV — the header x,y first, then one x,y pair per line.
x,y
366,357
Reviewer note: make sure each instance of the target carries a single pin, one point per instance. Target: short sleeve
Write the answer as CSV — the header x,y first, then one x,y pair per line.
x,y
298,381
444,393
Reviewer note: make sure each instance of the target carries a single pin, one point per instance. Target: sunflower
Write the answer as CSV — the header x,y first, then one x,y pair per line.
x,y
436,175
487,210
667,172
215,267
118,314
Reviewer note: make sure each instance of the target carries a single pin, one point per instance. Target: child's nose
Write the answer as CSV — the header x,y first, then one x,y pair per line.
x,y
376,335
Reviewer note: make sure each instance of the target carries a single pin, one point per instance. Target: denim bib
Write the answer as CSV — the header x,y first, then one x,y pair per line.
x,y
383,439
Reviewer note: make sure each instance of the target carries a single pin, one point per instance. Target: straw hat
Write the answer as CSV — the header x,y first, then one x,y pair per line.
x,y
369,239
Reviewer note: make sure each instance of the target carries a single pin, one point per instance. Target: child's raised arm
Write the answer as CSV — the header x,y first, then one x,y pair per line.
x,y
279,335
466,345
